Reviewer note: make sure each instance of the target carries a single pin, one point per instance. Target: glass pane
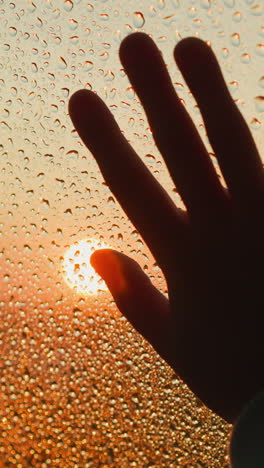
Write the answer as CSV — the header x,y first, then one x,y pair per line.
x,y
78,386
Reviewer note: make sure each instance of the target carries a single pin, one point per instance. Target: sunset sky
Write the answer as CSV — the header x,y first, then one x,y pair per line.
x,y
73,382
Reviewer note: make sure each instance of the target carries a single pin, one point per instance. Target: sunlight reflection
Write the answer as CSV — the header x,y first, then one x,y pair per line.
x,y
76,268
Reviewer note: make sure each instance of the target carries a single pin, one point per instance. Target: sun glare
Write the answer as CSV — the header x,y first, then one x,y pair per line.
x,y
76,268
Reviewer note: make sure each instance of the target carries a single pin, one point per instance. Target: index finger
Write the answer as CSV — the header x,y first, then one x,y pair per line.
x,y
144,200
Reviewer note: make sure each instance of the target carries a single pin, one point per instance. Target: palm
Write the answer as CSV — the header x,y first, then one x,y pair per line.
x,y
217,314
211,254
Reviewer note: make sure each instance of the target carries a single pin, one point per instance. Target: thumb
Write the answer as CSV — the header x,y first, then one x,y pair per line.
x,y
108,264
143,305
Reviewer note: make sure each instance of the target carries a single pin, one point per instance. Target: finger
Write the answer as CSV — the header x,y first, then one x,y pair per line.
x,y
173,130
227,130
137,299
141,196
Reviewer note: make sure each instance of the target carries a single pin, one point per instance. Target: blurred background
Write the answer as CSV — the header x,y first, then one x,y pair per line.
x,y
78,386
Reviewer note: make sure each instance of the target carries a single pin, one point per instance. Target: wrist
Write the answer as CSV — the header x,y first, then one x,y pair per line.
x,y
246,447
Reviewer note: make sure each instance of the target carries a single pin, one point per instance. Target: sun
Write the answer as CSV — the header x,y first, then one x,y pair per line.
x,y
76,268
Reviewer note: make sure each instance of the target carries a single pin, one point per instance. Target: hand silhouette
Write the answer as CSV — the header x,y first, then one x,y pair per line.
x,y
210,330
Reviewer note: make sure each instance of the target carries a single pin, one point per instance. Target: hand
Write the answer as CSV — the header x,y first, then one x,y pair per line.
x,y
211,329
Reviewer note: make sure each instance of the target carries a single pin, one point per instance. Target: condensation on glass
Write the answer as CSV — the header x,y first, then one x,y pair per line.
x,y
78,386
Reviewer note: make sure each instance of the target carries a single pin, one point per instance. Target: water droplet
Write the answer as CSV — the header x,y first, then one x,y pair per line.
x,y
237,17
235,39
104,17
260,49
60,183
111,201
56,13
62,63
31,7
245,58
225,52
68,212
72,154
233,86
12,31
138,19
68,5
257,10
45,203
131,122
65,92
5,126
259,103
109,76
5,113
88,66
39,22
23,79
90,7
34,67
73,24
130,92
255,124
30,192
104,56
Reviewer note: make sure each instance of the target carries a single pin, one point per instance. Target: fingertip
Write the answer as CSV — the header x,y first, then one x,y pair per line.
x,y
189,45
78,100
131,45
190,51
75,98
105,261
99,257
132,40
107,264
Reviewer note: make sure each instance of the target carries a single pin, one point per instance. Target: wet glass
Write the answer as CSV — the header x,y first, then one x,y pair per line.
x,y
78,386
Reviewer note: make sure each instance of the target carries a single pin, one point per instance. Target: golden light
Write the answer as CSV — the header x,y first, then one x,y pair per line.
x,y
76,268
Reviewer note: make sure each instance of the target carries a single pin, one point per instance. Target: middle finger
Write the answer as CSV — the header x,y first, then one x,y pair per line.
x,y
173,130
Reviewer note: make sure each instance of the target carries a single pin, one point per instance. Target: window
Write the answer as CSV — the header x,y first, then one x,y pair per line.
x,y
78,386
